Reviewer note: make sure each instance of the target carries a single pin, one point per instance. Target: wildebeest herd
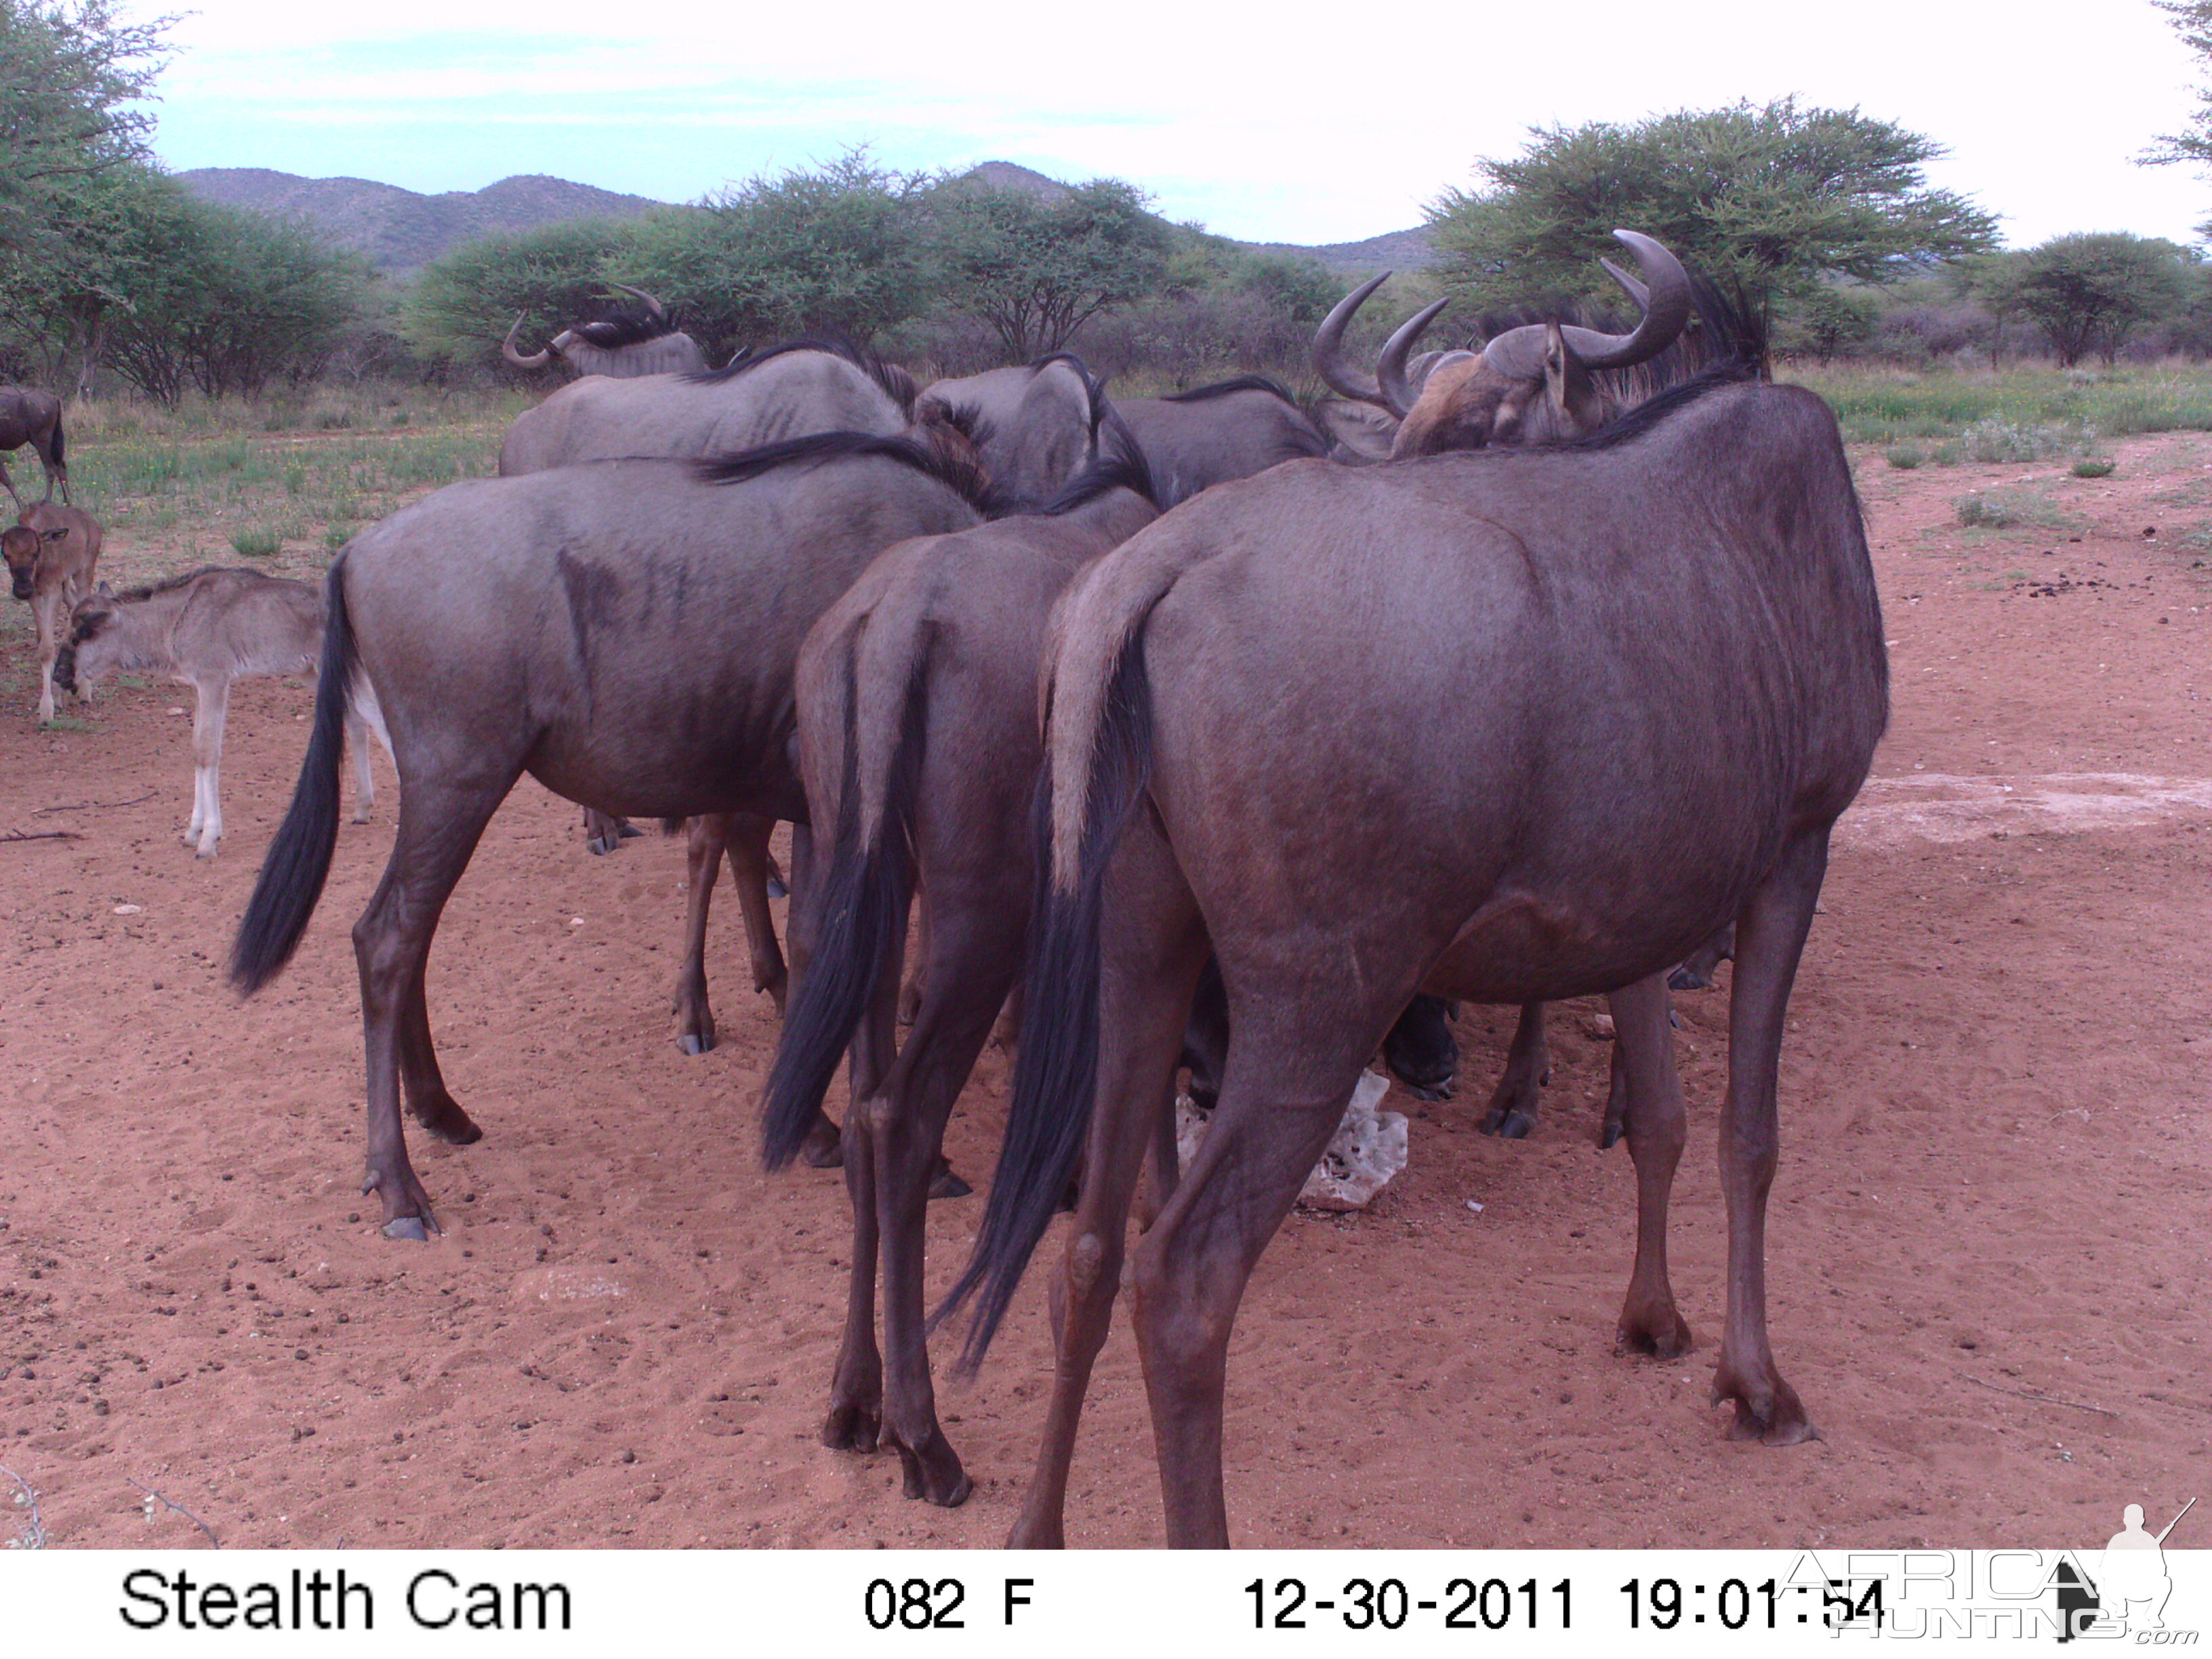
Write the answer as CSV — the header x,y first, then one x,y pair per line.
x,y
1186,733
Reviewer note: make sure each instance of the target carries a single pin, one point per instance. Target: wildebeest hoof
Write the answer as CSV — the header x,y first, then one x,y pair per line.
x,y
824,1148
1509,1123
441,1114
933,1475
947,1184
629,831
1659,1333
602,844
694,1042
852,1428
1772,1415
777,889
408,1227
1687,977
1429,1091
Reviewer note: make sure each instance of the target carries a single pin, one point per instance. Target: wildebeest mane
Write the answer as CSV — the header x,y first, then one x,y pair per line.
x,y
957,473
633,325
1727,347
1198,394
1121,465
170,584
895,382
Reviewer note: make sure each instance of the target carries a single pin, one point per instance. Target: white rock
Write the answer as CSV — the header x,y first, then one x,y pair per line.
x,y
1369,1148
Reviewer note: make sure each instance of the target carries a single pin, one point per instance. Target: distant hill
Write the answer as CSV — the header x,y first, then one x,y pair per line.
x,y
400,231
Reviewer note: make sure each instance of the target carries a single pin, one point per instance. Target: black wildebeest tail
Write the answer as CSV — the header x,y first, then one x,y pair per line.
x,y
1056,1066
59,441
867,884
299,859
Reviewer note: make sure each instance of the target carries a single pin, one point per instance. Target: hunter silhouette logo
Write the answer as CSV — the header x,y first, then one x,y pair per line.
x,y
2131,1585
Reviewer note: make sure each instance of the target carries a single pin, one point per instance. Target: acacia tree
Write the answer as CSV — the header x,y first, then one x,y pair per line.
x,y
1037,270
1773,196
71,77
2089,291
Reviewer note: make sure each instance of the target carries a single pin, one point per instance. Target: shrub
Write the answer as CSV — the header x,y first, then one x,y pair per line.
x,y
254,542
1906,456
2092,469
2005,509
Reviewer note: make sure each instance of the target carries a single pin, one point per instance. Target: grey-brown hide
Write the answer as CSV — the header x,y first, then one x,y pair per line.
x,y
206,630
31,417
52,554
626,633
918,729
1197,439
759,400
639,340
1033,426
1630,687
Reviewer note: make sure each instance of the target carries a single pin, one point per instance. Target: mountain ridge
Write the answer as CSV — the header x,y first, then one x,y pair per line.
x,y
400,231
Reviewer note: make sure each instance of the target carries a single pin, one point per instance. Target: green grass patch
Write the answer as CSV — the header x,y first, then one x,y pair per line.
x,y
1904,456
2092,469
256,542
2027,413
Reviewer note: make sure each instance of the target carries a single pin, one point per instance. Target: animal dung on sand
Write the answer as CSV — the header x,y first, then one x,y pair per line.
x,y
1367,1149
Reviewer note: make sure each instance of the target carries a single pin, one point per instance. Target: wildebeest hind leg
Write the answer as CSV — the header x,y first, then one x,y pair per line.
x,y
1770,936
1152,949
824,1148
854,1422
974,957
1653,1116
1282,1096
750,863
705,838
1528,1068
434,1108
440,823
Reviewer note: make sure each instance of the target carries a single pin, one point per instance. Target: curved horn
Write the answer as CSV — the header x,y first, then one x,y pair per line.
x,y
507,349
1390,368
1328,348
1666,301
659,311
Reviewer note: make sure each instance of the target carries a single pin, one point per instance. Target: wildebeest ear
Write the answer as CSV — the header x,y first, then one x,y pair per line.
x,y
1361,428
105,591
1556,366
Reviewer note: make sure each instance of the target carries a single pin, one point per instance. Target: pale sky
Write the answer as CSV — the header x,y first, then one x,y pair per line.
x,y
1277,124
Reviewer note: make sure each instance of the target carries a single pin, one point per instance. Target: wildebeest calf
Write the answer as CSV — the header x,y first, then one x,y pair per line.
x,y
51,556
207,630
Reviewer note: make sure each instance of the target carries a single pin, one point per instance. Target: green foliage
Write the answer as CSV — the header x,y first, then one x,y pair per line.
x,y
2088,469
834,249
1774,196
1832,320
1906,456
70,72
2089,291
464,304
255,541
1037,270
2192,21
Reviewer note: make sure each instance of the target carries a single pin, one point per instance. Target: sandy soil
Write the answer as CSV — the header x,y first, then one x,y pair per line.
x,y
1988,1242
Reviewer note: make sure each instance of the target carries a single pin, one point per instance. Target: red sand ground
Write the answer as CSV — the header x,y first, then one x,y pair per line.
x,y
1988,1246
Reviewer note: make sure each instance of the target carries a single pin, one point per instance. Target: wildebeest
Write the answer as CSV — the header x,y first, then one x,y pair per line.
x,y
1535,382
51,555
802,387
640,340
918,733
33,417
807,386
1033,426
1634,680
206,630
1197,439
625,632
